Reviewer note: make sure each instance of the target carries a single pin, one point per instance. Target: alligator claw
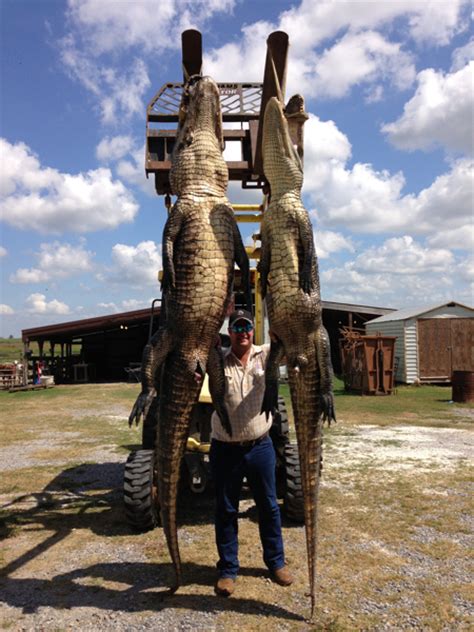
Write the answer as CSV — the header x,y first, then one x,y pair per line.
x,y
270,399
327,408
306,283
141,406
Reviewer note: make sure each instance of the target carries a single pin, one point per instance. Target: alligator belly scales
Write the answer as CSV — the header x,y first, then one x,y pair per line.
x,y
201,242
290,285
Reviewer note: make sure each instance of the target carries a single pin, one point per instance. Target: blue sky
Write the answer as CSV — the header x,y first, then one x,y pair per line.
x,y
388,145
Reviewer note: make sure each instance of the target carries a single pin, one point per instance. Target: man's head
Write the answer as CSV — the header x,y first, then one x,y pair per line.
x,y
241,331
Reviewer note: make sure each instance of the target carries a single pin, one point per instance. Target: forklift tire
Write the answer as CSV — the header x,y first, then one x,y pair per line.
x,y
293,501
140,494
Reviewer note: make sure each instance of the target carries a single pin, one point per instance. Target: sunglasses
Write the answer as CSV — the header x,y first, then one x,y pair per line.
x,y
246,328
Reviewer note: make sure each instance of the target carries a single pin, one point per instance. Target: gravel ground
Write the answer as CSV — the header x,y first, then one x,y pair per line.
x,y
70,575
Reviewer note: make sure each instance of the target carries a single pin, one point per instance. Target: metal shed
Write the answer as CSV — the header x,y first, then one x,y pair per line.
x,y
432,341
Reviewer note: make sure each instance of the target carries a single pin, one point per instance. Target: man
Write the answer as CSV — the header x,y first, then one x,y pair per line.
x,y
248,453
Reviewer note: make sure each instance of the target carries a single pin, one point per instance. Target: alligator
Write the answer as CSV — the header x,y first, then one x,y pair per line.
x,y
290,286
201,242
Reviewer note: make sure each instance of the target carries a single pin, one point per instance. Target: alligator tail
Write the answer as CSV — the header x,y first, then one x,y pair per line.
x,y
304,387
180,392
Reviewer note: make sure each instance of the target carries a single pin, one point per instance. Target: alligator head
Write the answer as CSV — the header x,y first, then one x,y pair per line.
x,y
281,164
197,164
200,110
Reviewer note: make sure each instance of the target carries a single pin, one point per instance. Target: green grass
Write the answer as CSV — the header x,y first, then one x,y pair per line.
x,y
11,349
422,405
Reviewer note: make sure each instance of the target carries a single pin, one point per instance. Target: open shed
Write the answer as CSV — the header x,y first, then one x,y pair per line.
x,y
432,342
106,348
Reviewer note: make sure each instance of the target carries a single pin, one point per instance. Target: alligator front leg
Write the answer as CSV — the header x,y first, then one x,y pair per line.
x,y
323,356
306,277
154,354
215,370
264,263
242,260
270,397
170,233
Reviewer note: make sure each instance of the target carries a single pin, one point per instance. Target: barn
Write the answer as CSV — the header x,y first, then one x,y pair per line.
x,y
432,342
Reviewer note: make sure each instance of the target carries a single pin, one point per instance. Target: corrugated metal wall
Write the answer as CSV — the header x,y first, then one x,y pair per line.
x,y
392,328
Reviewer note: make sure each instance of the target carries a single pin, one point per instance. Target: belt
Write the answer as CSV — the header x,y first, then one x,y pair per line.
x,y
249,444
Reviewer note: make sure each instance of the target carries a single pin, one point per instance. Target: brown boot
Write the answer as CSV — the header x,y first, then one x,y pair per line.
x,y
282,576
225,586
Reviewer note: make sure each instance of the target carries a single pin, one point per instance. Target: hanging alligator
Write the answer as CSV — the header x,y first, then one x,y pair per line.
x,y
290,285
201,242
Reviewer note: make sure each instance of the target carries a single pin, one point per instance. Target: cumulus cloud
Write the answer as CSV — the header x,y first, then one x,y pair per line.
x,y
3,251
397,273
155,25
48,201
6,310
101,33
113,148
127,305
37,304
360,55
56,261
439,113
136,266
328,242
126,158
405,256
119,93
366,200
357,59
462,56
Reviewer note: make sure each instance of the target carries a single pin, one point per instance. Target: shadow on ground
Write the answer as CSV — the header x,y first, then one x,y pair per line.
x,y
147,591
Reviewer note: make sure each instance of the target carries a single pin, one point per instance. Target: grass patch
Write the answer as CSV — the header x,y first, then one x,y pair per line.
x,y
393,545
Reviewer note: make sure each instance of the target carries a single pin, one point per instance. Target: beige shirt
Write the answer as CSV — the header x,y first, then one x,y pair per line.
x,y
245,387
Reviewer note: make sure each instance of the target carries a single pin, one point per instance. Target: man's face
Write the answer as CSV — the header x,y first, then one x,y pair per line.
x,y
241,336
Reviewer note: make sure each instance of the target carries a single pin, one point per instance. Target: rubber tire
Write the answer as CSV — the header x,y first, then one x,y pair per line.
x,y
139,493
293,500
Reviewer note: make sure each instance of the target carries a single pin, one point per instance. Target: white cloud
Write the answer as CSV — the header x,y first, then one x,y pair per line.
x,y
37,304
3,251
152,26
368,201
462,56
356,59
45,200
360,55
113,148
461,238
128,161
119,92
102,33
404,256
56,261
328,242
136,266
397,273
6,310
439,113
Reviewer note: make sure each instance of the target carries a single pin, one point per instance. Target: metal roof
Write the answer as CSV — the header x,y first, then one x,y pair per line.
x,y
78,328
413,312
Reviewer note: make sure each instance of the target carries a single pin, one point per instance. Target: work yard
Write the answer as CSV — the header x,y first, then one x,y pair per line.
x,y
395,524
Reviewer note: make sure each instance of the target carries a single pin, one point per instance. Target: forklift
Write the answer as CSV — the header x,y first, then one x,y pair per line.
x,y
242,103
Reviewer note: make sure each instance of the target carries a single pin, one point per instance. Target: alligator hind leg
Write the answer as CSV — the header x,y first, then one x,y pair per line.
x,y
215,370
154,355
323,356
270,397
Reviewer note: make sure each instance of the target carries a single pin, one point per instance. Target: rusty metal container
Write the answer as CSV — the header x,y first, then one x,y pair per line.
x,y
368,363
463,386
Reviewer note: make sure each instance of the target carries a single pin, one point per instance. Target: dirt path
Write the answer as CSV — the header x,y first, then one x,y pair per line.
x,y
71,563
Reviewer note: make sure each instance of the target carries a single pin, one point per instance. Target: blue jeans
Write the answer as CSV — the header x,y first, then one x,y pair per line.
x,y
229,465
